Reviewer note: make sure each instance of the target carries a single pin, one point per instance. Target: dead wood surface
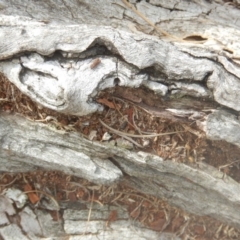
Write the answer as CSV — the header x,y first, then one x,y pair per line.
x,y
65,55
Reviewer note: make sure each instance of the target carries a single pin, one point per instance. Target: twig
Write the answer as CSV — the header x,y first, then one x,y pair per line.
x,y
90,210
226,165
136,195
134,210
130,140
55,193
4,100
121,113
193,131
136,127
116,198
5,185
134,135
89,213
153,112
48,195
81,186
147,20
159,30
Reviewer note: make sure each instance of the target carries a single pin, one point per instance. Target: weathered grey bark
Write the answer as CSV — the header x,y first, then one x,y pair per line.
x,y
74,225
48,54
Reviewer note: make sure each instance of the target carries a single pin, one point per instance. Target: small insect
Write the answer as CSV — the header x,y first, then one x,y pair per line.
x,y
94,63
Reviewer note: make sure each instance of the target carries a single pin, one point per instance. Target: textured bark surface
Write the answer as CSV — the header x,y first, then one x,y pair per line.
x,y
50,55
211,194
74,225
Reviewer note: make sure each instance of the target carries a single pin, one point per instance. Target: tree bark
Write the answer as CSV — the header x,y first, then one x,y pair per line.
x,y
63,54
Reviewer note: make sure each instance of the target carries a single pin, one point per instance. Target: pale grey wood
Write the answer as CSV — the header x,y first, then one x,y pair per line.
x,y
182,61
47,49
71,156
38,223
221,125
211,194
